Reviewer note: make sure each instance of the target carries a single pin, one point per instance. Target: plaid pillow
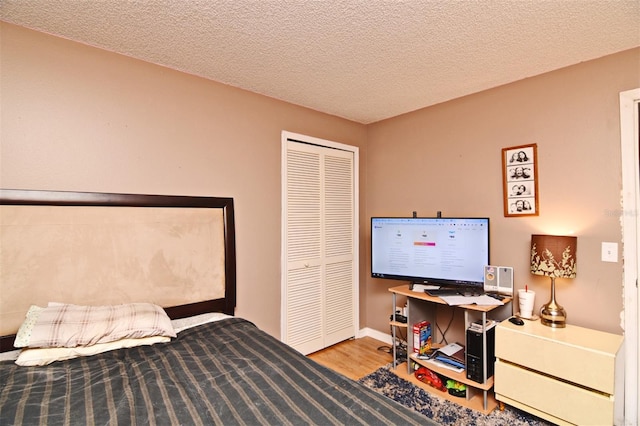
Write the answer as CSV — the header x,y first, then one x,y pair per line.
x,y
64,325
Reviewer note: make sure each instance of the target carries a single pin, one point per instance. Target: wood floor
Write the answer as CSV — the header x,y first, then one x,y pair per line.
x,y
354,358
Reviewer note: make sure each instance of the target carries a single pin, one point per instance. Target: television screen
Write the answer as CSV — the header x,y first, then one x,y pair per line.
x,y
438,251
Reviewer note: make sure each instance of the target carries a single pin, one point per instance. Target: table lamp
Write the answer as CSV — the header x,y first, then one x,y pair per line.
x,y
555,257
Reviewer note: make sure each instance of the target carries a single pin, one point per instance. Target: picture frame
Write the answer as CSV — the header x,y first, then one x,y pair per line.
x,y
520,180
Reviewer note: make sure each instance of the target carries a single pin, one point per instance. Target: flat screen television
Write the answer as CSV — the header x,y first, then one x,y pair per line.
x,y
447,252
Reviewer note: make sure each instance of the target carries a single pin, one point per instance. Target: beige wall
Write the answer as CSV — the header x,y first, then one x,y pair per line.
x,y
448,158
80,118
77,118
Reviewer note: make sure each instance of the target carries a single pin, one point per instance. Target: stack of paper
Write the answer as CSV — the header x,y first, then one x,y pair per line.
x,y
483,300
477,326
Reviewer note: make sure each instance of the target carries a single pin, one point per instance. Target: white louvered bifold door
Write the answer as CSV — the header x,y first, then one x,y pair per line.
x,y
319,285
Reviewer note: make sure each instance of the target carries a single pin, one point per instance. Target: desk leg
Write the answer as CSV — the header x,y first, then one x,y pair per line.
x,y
393,332
484,358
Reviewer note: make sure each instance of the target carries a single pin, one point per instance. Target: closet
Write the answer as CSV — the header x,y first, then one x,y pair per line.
x,y
319,242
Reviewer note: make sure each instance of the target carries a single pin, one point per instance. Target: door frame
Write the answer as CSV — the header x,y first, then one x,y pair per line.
x,y
629,141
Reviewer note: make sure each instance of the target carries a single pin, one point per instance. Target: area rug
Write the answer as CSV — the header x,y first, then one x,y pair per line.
x,y
440,410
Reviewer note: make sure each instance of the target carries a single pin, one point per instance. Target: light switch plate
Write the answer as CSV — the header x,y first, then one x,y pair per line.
x,y
609,252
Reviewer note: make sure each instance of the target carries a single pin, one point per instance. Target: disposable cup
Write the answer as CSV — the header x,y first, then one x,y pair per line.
x,y
526,299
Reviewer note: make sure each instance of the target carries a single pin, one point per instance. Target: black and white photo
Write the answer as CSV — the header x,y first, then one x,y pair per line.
x,y
520,180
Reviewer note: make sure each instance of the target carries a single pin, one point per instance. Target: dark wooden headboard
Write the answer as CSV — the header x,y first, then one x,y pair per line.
x,y
168,266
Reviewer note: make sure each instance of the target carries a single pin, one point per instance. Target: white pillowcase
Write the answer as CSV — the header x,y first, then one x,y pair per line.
x,y
37,357
182,324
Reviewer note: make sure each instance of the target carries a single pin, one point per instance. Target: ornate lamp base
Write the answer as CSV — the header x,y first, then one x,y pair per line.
x,y
553,315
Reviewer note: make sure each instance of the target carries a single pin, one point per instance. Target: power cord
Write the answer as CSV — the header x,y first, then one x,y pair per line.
x,y
444,333
400,344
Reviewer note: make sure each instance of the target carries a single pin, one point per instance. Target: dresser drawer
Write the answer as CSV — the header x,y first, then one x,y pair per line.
x,y
573,354
571,403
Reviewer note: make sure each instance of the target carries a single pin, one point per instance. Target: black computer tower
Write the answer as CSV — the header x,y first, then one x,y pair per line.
x,y
475,354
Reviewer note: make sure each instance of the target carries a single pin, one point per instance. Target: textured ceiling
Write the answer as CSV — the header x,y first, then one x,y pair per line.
x,y
364,60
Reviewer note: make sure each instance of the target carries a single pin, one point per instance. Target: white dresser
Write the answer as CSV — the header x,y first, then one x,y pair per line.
x,y
569,375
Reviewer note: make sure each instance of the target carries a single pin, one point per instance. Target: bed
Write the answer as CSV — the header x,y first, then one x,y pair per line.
x,y
85,252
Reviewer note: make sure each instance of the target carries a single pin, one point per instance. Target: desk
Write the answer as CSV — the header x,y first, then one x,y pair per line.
x,y
421,306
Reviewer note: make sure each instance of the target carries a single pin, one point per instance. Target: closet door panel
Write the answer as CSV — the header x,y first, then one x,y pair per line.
x,y
303,289
338,246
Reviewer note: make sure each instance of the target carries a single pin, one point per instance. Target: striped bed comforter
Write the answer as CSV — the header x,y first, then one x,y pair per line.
x,y
225,372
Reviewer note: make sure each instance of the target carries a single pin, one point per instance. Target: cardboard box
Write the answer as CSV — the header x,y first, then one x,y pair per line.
x,y
422,337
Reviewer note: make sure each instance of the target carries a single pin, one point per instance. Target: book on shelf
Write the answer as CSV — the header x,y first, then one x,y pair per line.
x,y
451,356
446,365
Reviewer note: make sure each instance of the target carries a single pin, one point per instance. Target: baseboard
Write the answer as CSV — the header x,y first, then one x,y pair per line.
x,y
375,334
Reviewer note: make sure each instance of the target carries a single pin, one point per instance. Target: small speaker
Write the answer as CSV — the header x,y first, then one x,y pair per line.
x,y
498,279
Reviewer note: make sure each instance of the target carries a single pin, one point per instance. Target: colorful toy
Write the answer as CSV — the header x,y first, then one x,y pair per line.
x,y
456,388
429,377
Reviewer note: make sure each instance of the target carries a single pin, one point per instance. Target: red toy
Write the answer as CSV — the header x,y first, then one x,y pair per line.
x,y
429,377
